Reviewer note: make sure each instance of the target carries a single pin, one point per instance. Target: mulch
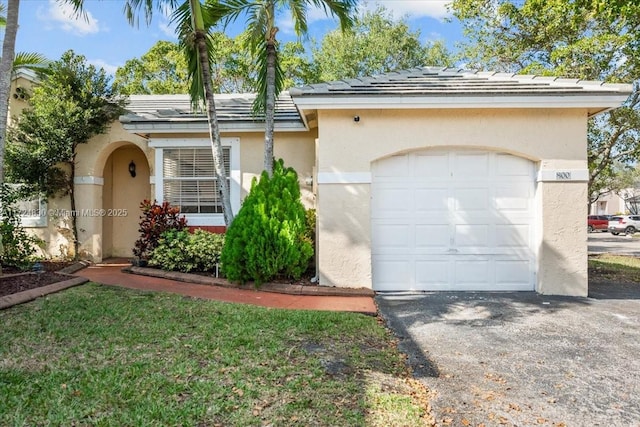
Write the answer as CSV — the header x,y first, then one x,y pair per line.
x,y
13,281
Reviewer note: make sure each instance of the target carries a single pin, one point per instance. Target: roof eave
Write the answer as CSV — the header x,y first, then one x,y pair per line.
x,y
168,127
594,103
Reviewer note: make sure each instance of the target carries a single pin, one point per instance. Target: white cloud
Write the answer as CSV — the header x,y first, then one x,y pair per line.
x,y
62,15
168,29
436,9
99,63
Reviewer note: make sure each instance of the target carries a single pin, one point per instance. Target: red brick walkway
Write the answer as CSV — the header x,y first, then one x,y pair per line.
x,y
112,275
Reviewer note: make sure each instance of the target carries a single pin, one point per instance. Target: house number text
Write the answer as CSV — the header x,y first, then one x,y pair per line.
x,y
563,175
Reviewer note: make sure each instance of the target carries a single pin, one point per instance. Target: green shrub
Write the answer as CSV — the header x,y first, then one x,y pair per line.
x,y
19,248
179,250
267,238
155,220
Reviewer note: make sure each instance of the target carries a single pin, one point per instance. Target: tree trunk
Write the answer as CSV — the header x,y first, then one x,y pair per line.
x,y
6,68
270,101
214,130
72,199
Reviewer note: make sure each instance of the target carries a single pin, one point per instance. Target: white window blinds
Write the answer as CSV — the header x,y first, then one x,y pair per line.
x,y
189,179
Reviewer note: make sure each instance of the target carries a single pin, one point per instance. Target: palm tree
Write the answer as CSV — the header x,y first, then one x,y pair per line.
x,y
6,66
194,21
261,23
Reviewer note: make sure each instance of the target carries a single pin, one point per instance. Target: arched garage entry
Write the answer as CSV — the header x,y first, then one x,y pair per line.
x,y
453,220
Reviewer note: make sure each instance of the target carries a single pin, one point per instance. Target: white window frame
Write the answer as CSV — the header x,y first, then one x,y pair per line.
x,y
213,219
34,221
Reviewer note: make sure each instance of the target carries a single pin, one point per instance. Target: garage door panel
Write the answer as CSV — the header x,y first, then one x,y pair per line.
x,y
511,166
472,271
516,197
512,271
390,273
457,220
469,165
431,165
513,235
471,235
431,199
395,167
392,200
431,273
432,236
388,237
471,199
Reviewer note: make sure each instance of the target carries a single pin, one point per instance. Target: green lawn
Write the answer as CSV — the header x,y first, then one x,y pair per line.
x,y
617,268
104,356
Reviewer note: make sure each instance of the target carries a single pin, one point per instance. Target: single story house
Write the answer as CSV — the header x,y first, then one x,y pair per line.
x,y
426,179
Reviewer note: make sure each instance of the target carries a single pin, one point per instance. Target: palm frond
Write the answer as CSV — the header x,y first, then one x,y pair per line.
x,y
182,18
3,18
31,61
132,8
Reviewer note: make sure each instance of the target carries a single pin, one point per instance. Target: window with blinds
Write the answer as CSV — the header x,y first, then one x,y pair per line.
x,y
189,179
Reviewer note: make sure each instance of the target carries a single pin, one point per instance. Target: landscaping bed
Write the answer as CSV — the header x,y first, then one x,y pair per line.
x,y
17,287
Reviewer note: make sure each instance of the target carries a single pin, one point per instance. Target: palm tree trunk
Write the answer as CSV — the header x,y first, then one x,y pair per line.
x,y
214,130
270,101
6,68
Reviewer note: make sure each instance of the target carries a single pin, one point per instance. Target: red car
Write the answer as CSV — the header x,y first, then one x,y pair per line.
x,y
597,222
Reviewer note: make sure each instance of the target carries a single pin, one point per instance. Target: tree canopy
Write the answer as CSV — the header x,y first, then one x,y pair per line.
x,y
73,102
583,39
376,44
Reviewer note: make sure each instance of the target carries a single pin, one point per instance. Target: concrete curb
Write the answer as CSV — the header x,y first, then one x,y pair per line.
x,y
282,288
31,294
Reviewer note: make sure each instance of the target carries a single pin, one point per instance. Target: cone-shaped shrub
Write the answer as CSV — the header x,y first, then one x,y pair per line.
x,y
267,238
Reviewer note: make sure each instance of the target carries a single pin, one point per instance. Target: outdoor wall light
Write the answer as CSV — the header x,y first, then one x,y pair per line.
x,y
356,119
132,169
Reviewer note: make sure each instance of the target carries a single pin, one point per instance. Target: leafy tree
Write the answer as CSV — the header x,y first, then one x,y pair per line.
x,y
162,70
376,44
194,22
584,39
72,103
261,16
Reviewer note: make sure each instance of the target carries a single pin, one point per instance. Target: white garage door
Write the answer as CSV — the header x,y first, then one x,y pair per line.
x,y
453,220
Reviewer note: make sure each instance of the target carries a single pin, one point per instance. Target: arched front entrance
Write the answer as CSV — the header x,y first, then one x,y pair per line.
x,y
460,220
121,197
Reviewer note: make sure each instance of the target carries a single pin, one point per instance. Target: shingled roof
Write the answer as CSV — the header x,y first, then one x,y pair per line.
x,y
234,111
431,87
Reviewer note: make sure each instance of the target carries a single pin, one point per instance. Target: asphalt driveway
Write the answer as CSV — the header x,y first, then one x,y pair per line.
x,y
524,359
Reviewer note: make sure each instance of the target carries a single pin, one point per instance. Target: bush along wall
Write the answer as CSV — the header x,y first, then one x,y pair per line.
x,y
179,250
267,238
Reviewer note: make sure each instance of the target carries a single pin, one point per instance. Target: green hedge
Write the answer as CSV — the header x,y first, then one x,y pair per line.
x,y
268,237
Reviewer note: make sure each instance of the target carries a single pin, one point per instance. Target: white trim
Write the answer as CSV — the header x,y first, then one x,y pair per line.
x,y
152,179
405,102
88,180
185,126
563,175
189,142
344,178
234,174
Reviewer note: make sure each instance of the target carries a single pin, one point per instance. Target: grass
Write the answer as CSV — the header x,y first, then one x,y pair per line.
x,y
106,356
617,268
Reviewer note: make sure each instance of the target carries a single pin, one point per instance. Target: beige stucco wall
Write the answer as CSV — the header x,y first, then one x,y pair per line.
x,y
103,166
551,138
297,149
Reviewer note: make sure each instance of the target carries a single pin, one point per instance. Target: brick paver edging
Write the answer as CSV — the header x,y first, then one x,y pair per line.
x,y
31,294
282,288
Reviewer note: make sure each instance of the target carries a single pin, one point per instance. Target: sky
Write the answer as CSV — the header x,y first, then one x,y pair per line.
x,y
107,40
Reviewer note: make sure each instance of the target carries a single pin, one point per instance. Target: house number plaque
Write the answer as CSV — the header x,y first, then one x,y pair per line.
x,y
563,175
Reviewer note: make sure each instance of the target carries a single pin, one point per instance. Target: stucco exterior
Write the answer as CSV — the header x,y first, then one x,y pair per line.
x,y
553,139
336,135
